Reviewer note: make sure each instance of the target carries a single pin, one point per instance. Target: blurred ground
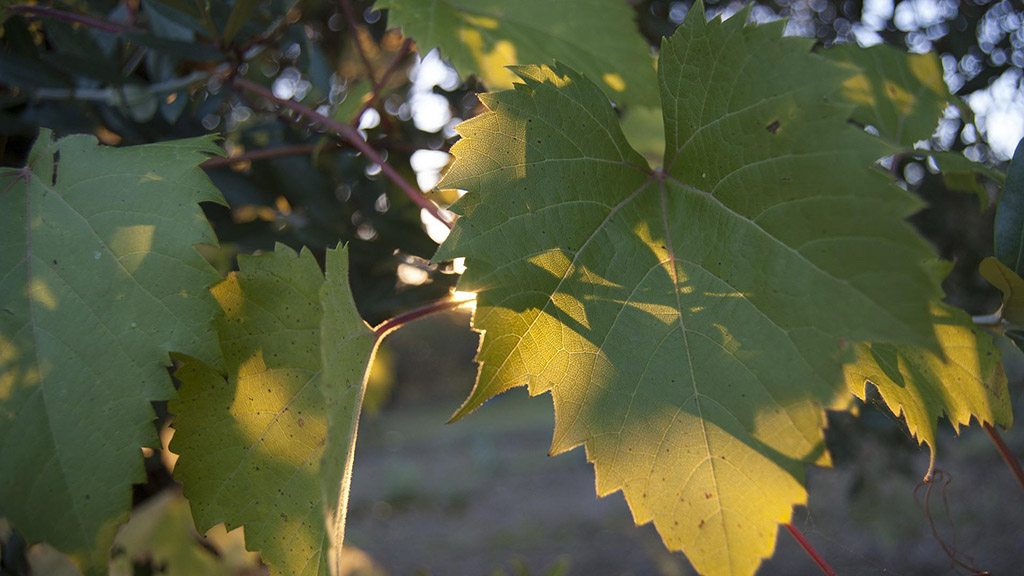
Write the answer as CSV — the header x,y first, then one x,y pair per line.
x,y
482,497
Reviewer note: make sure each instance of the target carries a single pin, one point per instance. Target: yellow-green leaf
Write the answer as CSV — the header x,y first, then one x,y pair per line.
x,y
689,322
966,380
270,448
1011,285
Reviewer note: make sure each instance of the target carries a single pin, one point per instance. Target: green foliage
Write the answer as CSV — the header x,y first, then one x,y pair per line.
x,y
99,282
692,320
899,94
965,380
483,37
1009,243
271,447
690,324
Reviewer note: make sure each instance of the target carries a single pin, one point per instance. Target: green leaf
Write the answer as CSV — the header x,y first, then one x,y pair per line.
x,y
966,380
241,11
961,173
597,37
160,532
1010,284
689,323
1010,215
271,448
902,95
99,281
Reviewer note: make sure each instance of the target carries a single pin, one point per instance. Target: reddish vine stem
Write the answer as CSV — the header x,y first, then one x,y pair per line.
x,y
379,84
98,24
799,537
1004,451
346,8
353,137
392,324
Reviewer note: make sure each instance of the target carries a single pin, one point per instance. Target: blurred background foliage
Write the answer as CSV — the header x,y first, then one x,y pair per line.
x,y
139,71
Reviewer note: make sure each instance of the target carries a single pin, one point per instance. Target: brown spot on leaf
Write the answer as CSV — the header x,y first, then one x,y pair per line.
x,y
773,127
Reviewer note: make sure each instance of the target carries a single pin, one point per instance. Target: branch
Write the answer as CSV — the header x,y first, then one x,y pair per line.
x,y
795,533
114,95
91,22
388,326
379,84
346,7
1005,452
353,137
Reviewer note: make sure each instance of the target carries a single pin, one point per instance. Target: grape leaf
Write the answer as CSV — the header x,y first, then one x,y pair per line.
x,y
99,281
597,37
271,448
1009,242
690,323
966,380
902,95
1010,284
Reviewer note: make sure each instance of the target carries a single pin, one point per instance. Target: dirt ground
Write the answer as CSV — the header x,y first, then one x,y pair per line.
x,y
482,497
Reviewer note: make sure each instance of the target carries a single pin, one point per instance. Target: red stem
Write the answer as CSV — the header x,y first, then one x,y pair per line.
x,y
379,85
353,137
98,24
1004,451
387,326
346,7
795,533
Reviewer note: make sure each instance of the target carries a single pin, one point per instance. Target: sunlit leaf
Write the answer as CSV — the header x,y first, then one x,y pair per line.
x,y
160,534
599,38
690,323
270,449
966,380
1010,284
902,95
99,281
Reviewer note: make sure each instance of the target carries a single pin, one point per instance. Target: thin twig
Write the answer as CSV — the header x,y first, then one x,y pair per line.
x,y
346,8
796,534
379,85
353,137
392,324
91,22
1004,451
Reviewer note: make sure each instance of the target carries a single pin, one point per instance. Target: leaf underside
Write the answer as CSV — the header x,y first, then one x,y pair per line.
x,y
689,323
597,37
271,447
99,280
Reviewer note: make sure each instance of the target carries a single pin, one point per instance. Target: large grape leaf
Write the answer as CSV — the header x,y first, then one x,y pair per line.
x,y
597,37
271,448
689,323
99,281
966,380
